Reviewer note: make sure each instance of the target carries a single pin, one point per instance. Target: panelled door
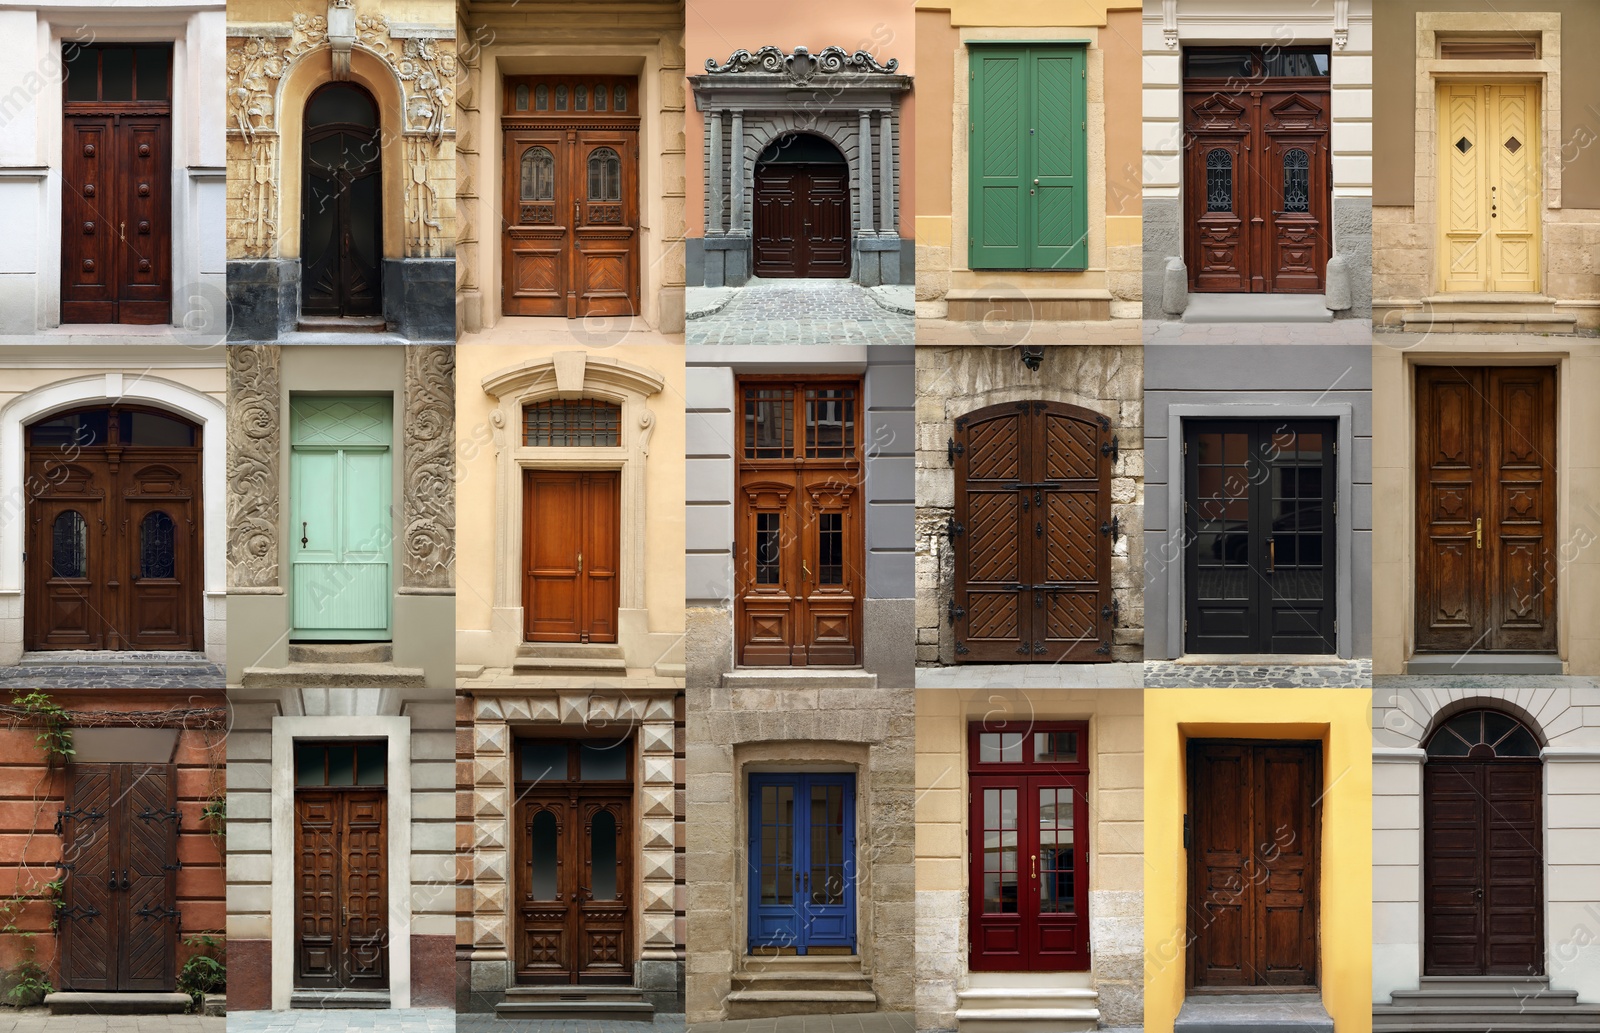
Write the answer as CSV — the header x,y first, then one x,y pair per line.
x,y
341,845
571,199
1028,857
116,172
1486,509
1259,564
802,864
798,539
1483,849
1490,186
569,548
119,914
113,556
1257,169
1032,534
801,221
340,516
341,228
1253,872
574,858
1027,206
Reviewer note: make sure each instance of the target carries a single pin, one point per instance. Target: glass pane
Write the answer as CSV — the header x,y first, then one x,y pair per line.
x,y
150,64
341,765
1296,181
1055,850
768,430
1216,64
81,429
1520,743
538,175
1000,747
1219,180
572,424
827,845
580,99
116,73
830,549
605,175
544,762
1277,62
153,430
1000,851
603,856
777,844
544,850
156,552
522,97
600,93
309,765
769,536
69,546
830,423
541,98
342,103
371,764
83,71
603,762
1055,747
620,95
561,98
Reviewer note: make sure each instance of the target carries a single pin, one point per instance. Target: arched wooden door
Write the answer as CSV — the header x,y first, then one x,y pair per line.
x,y
1482,846
341,225
113,554
802,209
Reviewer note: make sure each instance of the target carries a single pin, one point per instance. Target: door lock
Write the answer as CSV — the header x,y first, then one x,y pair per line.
x,y
303,538
1478,532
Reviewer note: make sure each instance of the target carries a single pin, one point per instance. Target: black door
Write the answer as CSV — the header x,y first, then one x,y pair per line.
x,y
1259,543
341,227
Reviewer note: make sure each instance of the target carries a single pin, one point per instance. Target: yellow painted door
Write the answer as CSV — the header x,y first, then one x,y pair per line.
x,y
1489,187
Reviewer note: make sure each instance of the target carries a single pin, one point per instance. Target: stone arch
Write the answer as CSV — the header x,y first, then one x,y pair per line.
x,y
763,130
1466,703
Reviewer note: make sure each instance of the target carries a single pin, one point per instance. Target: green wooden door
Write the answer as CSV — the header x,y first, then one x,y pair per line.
x,y
341,534
1028,177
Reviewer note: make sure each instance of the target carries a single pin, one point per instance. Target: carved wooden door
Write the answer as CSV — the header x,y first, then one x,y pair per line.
x,y
1486,509
113,558
119,918
569,549
1257,169
1032,534
1490,186
571,153
1253,873
802,210
116,197
1483,849
341,225
799,543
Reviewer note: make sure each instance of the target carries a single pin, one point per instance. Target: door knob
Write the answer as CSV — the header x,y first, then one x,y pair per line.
x,y
1478,532
303,538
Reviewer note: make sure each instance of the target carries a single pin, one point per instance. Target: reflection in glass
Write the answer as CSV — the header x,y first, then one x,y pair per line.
x,y
1482,735
1056,888
341,766
769,528
150,64
1000,851
543,761
605,175
83,71
310,765
69,546
1219,180
603,856
1000,747
1055,747
777,844
603,761
372,764
768,432
830,549
830,423
543,851
827,844
1216,64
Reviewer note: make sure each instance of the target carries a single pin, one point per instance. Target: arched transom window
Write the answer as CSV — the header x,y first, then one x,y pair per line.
x,y
1482,735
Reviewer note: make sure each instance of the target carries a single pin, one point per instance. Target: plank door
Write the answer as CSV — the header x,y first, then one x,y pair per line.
x,y
570,551
341,224
1490,186
342,905
802,220
1486,509
802,863
90,920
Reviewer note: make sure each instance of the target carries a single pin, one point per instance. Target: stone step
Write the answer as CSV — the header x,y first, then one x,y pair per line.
x,y
591,659
1485,988
571,650
977,304
598,1003
760,1004
1488,322
799,678
837,963
113,658
1206,307
1027,1009
339,999
1253,1013
67,1003
333,676
341,652
341,325
1478,1015
1489,301
801,980
1485,663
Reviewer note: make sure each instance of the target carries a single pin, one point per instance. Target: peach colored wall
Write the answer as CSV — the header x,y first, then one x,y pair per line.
x,y
937,39
1124,84
883,28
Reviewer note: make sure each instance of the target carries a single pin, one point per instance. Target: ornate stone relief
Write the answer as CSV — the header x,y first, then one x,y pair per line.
x,y
430,499
801,66
254,393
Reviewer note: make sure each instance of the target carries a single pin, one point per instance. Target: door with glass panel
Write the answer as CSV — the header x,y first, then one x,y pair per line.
x,y
798,540
1028,883
574,862
571,198
802,864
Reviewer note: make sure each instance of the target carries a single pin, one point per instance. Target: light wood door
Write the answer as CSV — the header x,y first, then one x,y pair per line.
x,y
1490,187
569,550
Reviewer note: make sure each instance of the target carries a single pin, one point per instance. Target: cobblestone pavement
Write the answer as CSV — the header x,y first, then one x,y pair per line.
x,y
1340,331
1032,676
1045,332
38,1020
477,1023
108,676
802,312
1484,681
872,1022
1167,674
335,1020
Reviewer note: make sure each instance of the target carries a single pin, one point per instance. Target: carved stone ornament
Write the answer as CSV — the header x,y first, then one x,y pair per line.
x,y
801,66
254,392
430,494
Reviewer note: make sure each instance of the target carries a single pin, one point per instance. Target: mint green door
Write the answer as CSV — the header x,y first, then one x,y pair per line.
x,y
341,532
1028,172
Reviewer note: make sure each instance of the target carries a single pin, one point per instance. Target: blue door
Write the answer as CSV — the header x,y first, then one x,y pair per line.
x,y
802,861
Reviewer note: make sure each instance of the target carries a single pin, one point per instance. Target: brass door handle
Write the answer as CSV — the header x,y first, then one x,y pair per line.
x,y
1033,866
580,564
805,572
1478,533
1272,555
122,231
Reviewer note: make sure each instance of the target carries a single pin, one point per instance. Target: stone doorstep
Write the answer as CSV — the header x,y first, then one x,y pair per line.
x,y
1485,663
116,1004
333,676
341,652
1257,308
1258,660
339,999
617,1003
1253,1013
1026,1009
113,658
797,678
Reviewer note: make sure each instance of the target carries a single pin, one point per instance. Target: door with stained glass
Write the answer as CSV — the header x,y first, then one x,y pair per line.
x,y
571,199
574,862
802,864
1028,883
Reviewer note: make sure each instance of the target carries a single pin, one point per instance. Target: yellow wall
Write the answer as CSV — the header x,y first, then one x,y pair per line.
x,y
1341,719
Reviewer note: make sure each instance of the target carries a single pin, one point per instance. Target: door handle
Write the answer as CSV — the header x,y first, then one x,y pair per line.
x,y
580,564
805,572
1033,866
124,878
1478,892
1478,532
303,538
577,213
1272,555
111,884
122,231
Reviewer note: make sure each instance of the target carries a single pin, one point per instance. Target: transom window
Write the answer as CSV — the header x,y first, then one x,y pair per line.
x,y
100,73
829,414
567,95
340,764
95,428
576,423
583,760
1256,63
1482,735
1024,745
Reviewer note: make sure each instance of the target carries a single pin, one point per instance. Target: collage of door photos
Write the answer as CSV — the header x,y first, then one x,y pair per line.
x,y
863,516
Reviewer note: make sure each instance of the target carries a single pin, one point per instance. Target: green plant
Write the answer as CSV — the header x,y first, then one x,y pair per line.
x,y
54,737
27,983
215,816
206,971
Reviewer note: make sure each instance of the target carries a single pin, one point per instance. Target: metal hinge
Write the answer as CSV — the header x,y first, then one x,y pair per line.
x,y
1186,625
1185,448
955,612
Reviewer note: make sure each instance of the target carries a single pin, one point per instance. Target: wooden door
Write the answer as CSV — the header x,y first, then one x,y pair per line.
x,y
119,917
571,196
569,546
802,865
1483,853
1252,835
1486,509
1032,534
802,219
1490,186
1261,518
342,903
1257,169
799,545
341,223
116,198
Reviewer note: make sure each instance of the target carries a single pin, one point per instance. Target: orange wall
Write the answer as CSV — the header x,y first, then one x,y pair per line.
x,y
883,28
1124,70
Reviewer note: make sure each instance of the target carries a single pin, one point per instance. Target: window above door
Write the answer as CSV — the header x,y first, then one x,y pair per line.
x,y
1027,745
551,761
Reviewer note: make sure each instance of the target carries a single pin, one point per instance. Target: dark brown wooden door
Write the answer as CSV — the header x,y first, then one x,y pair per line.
x,y
571,197
342,899
1032,534
799,543
1253,838
116,197
1257,169
341,224
802,220
569,549
119,917
113,557
1486,509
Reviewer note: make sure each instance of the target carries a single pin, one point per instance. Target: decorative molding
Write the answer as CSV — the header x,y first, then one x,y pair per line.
x,y
254,425
1169,23
801,66
1341,23
429,489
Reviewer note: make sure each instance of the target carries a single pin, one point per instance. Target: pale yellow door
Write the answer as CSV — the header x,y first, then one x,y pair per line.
x,y
1489,187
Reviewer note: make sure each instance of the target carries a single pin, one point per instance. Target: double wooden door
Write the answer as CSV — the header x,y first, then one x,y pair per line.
x,y
341,889
575,884
119,916
341,225
116,173
1486,509
569,549
1032,534
802,220
1253,875
1257,170
1490,186
799,573
571,198
802,863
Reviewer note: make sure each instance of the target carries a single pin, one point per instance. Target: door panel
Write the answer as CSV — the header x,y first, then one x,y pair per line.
x,y
570,545
574,885
90,925
802,863
1490,187
802,220
342,903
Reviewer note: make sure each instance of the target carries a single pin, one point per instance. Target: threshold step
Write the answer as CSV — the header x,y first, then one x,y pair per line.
x,y
114,658
1254,1013
339,999
799,678
68,1003
333,676
1484,663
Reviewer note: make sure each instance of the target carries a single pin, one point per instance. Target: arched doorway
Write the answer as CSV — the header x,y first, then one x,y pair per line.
x,y
341,222
802,209
114,517
1483,855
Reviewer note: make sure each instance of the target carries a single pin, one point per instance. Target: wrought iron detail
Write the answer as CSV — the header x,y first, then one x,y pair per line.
x,y
961,650
953,530
1219,180
1104,650
952,449
1112,613
1296,181
1038,648
160,914
1038,529
955,612
79,911
1113,529
1109,448
77,814
149,814
1032,356
173,867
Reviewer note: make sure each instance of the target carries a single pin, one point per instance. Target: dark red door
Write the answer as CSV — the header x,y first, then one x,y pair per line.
x,y
802,220
570,542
